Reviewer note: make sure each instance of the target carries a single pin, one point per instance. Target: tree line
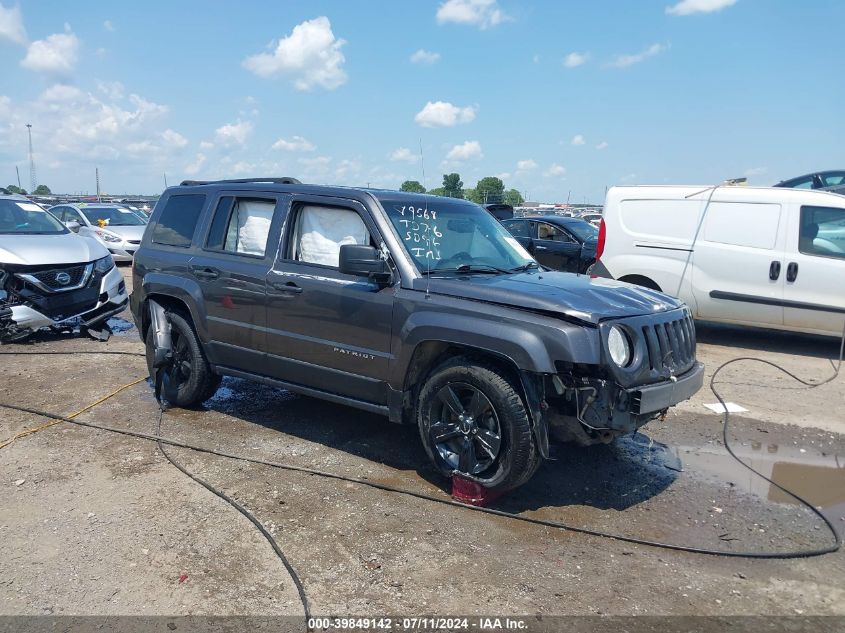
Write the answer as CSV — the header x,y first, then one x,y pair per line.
x,y
40,190
488,190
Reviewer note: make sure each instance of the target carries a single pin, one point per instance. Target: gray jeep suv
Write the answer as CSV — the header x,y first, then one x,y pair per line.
x,y
421,308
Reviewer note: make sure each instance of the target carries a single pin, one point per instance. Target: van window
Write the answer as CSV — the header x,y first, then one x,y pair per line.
x,y
742,224
178,219
661,220
822,232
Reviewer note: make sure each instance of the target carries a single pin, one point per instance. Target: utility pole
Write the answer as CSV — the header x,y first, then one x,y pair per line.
x,y
33,180
97,177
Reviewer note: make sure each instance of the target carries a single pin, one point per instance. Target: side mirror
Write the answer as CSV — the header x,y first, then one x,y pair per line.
x,y
364,261
73,226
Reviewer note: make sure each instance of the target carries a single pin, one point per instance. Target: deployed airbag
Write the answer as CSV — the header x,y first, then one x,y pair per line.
x,y
322,231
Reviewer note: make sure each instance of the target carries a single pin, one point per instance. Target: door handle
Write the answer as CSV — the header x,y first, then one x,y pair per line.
x,y
205,272
541,248
792,271
774,270
288,287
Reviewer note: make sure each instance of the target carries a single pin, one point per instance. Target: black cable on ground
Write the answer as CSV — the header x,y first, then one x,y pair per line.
x,y
237,506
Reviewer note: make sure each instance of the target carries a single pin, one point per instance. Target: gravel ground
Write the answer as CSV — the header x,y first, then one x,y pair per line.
x,y
95,523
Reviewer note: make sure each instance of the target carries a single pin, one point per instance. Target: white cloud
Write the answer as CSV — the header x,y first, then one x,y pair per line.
x,y
688,7
310,56
295,144
536,59
623,61
423,56
755,171
11,25
505,175
107,25
56,54
194,166
172,138
578,139
206,145
555,170
480,13
465,151
112,89
602,145
233,133
403,155
573,60
444,114
526,165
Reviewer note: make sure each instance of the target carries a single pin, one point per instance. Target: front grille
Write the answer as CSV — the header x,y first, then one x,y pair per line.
x,y
135,242
55,280
671,345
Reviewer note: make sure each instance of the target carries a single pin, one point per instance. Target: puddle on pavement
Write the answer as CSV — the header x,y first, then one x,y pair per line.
x,y
120,327
820,479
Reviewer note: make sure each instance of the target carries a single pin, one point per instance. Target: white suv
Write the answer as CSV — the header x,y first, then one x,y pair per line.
x,y
51,277
766,257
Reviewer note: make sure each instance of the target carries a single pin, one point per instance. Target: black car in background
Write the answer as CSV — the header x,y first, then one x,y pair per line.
x,y
833,180
566,244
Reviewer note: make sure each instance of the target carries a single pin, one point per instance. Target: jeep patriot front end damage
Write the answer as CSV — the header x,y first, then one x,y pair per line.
x,y
417,307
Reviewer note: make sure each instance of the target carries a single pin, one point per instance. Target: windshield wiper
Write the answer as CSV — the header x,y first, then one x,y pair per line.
x,y
484,269
524,267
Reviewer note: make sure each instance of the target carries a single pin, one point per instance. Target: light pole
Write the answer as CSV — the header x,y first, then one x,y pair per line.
x,y
33,181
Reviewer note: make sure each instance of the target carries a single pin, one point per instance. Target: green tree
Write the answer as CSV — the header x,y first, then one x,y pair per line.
x,y
42,190
439,191
16,189
472,195
513,198
453,186
412,186
490,190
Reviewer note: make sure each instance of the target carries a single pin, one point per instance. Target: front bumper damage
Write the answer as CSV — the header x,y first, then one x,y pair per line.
x,y
30,305
596,410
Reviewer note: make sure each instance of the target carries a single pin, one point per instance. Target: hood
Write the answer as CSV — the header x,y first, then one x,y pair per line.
x,y
574,296
126,232
35,250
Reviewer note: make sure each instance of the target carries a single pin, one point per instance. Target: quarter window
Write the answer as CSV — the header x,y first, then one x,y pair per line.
x,y
178,220
241,225
822,232
319,232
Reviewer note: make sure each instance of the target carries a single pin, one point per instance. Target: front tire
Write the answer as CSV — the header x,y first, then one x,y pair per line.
x,y
473,422
194,381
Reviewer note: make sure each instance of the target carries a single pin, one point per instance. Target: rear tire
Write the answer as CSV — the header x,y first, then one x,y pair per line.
x,y
195,381
473,422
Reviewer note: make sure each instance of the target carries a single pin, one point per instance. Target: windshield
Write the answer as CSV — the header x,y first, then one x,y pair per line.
x,y
449,235
112,216
21,217
583,230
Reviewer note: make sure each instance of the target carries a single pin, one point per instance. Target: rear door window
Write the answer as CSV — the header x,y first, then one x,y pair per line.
x,y
178,220
241,225
518,228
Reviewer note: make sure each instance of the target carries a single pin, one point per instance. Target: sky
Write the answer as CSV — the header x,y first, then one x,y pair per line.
x,y
560,99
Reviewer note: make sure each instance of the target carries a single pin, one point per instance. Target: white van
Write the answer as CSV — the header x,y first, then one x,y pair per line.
x,y
765,257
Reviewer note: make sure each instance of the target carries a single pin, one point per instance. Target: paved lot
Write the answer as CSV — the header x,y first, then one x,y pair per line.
x,y
97,523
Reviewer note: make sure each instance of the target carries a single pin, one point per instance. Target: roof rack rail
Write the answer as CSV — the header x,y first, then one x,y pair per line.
x,y
275,181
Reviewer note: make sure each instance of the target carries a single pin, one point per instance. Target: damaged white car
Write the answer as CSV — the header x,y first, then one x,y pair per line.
x,y
51,277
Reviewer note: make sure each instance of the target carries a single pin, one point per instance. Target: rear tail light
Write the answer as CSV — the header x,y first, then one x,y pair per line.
x,y
602,236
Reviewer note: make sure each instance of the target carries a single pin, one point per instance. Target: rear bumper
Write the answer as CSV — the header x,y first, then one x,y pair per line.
x,y
653,398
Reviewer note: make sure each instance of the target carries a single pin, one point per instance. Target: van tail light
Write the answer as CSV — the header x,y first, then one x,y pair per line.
x,y
602,237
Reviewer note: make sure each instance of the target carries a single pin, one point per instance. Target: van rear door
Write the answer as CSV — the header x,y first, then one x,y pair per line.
x,y
814,293
738,272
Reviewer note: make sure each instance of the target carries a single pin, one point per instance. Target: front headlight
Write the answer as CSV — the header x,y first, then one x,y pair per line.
x,y
109,237
619,346
104,264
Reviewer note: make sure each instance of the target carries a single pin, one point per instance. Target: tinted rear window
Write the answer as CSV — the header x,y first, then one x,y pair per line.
x,y
178,219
